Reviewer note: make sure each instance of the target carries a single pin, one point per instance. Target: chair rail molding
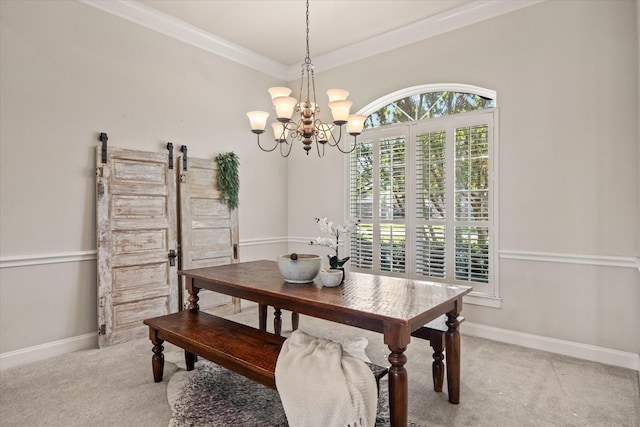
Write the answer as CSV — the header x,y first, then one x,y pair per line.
x,y
566,258
78,256
42,259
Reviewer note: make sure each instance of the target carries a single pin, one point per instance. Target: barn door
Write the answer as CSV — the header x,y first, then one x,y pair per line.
x,y
136,242
208,230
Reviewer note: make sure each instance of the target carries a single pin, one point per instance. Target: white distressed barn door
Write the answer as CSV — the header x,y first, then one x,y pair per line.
x,y
208,229
136,236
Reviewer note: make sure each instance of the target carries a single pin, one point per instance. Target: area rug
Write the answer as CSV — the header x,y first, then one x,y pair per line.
x,y
211,396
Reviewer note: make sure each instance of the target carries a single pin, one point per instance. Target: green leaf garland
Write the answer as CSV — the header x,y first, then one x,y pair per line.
x,y
228,180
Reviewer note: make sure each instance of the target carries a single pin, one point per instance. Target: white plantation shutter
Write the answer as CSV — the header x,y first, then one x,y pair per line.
x,y
423,193
391,187
472,203
431,203
361,205
392,203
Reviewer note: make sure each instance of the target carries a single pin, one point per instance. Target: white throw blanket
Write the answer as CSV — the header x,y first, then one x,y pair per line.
x,y
321,385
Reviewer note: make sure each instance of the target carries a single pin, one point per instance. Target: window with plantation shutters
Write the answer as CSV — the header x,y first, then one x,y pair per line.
x,y
421,185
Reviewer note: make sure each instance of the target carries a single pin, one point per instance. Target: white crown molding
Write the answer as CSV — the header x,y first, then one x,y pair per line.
x,y
459,17
168,25
462,16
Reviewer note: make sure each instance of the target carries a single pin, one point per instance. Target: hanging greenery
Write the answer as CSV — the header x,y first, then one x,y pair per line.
x,y
228,180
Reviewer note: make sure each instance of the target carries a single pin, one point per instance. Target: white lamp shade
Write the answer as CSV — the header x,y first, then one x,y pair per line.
x,y
277,91
258,119
279,131
284,106
337,94
340,110
356,123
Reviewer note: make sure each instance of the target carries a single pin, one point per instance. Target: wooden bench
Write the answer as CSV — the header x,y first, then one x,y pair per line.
x,y
433,332
245,350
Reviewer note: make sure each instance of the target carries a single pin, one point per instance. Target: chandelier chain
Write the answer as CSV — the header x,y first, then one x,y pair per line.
x,y
308,58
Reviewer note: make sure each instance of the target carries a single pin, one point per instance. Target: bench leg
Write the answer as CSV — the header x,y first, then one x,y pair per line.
x,y
277,322
157,360
189,360
437,368
295,320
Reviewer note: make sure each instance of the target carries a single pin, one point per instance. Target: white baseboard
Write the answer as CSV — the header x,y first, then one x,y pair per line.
x,y
48,350
567,348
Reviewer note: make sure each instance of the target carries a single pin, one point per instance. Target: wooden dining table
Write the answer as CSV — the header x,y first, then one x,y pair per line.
x,y
394,307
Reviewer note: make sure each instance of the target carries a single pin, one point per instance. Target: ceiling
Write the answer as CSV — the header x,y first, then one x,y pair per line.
x,y
269,35
276,29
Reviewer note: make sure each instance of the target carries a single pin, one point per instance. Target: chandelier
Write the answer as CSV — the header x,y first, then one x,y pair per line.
x,y
307,127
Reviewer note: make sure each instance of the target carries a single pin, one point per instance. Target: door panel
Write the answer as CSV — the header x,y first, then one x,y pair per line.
x,y
136,229
208,230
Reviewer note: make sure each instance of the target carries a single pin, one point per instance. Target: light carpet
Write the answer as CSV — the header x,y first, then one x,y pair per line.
x,y
213,396
502,385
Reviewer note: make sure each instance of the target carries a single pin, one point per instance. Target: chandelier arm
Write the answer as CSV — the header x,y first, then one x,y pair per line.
x,y
336,142
355,138
289,151
318,144
264,149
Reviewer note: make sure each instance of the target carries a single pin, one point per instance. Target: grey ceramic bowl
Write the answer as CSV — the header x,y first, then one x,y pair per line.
x,y
303,269
331,278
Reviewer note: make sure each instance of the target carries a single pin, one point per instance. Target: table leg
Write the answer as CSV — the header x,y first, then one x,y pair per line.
x,y
398,388
295,320
262,317
452,344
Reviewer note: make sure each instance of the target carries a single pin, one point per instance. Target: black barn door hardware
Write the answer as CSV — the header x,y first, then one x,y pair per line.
x,y
104,138
184,157
170,148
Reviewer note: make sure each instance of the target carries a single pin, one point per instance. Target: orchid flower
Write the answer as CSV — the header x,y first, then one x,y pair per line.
x,y
327,227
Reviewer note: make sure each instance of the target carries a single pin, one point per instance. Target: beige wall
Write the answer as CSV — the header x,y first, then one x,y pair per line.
x,y
70,71
566,74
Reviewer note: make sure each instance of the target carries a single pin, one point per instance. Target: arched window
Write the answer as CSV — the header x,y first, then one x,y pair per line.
x,y
421,183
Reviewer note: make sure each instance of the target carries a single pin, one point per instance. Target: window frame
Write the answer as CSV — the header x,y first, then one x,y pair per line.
x,y
483,294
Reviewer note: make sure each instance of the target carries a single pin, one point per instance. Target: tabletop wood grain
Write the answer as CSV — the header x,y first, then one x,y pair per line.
x,y
377,299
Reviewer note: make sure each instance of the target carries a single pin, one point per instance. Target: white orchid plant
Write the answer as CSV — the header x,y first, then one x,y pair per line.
x,y
335,231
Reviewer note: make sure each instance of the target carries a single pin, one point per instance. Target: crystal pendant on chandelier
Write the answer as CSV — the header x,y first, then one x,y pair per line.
x,y
307,127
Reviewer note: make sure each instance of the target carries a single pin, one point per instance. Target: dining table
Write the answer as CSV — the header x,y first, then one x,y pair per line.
x,y
392,306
